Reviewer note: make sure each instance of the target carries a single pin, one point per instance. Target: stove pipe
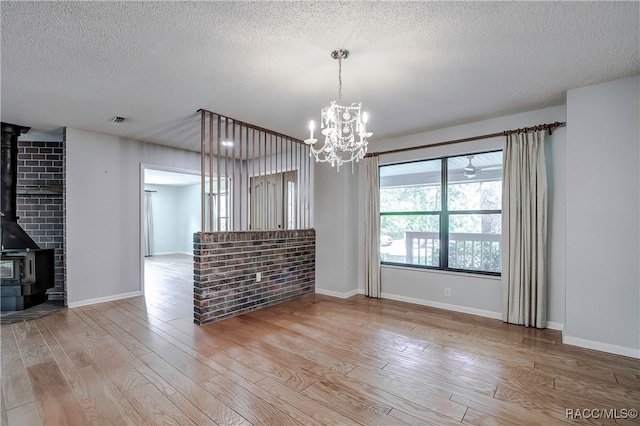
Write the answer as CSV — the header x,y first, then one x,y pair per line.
x,y
13,236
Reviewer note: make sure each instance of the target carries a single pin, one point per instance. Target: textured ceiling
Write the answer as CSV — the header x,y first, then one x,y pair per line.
x,y
414,65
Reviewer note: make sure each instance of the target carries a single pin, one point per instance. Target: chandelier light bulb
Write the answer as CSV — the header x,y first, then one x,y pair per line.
x,y
312,126
363,129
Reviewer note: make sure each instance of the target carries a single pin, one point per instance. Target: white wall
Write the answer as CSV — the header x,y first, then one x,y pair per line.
x,y
189,219
336,223
165,204
176,216
475,293
103,231
603,217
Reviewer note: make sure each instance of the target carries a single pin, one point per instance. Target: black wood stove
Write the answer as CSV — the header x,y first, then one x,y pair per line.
x,y
26,270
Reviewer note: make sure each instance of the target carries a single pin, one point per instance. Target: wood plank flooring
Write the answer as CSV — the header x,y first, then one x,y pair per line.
x,y
315,360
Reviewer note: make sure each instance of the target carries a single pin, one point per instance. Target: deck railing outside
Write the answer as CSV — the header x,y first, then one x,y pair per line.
x,y
469,251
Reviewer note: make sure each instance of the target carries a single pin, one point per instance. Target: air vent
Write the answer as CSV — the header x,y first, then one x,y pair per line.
x,y
117,119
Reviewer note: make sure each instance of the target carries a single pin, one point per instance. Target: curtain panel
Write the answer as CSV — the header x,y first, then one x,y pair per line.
x,y
524,230
148,225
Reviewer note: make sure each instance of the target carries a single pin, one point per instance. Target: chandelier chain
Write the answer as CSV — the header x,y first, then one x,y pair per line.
x,y
340,77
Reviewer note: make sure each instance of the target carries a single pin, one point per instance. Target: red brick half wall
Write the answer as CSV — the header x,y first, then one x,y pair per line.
x,y
239,272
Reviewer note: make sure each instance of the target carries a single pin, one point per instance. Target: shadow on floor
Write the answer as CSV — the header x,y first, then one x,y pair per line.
x,y
46,308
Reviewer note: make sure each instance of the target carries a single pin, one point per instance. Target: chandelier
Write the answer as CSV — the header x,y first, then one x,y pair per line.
x,y
344,128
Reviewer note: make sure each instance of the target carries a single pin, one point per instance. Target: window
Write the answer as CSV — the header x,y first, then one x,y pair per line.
x,y
443,213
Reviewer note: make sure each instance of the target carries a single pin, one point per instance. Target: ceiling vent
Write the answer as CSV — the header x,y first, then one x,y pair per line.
x,y
117,119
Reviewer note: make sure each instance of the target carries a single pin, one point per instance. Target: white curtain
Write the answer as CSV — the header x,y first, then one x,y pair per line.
x,y
148,225
372,227
524,230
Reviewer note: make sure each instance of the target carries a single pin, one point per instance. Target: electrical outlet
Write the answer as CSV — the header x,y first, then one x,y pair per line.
x,y
447,292
258,276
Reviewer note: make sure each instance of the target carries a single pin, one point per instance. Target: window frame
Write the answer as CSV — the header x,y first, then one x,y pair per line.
x,y
444,214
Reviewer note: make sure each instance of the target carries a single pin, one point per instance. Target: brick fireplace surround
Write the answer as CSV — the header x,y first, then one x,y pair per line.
x,y
39,200
226,265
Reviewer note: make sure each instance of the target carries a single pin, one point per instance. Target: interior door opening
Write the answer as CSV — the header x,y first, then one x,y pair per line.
x,y
170,214
274,201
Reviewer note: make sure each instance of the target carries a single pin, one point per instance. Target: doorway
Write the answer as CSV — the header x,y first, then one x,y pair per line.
x,y
170,214
274,199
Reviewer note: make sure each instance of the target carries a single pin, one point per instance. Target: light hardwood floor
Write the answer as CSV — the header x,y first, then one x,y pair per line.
x,y
314,360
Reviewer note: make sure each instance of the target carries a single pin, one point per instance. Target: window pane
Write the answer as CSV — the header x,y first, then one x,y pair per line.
x,y
411,187
475,182
474,242
411,239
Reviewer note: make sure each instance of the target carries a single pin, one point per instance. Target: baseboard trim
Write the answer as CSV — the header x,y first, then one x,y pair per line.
x,y
344,295
104,299
168,253
552,325
603,347
447,306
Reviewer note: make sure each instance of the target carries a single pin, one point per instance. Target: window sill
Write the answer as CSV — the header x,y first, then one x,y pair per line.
x,y
440,271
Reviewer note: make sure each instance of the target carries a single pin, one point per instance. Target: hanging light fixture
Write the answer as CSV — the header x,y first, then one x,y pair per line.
x,y
344,128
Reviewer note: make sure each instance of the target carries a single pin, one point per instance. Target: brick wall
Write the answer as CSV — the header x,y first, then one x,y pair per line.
x,y
226,264
39,200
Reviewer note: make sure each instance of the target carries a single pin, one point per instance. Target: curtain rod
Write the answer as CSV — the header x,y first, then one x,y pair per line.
x,y
549,126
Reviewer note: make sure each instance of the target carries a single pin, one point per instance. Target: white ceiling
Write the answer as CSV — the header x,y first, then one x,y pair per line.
x,y
415,66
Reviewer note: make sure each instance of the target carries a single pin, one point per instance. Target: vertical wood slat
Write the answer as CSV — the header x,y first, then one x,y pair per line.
x,y
226,176
202,158
276,172
252,219
265,208
303,183
300,187
293,148
259,213
232,202
294,156
285,170
248,180
240,182
302,162
270,172
290,147
210,219
284,215
307,162
309,185
219,144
